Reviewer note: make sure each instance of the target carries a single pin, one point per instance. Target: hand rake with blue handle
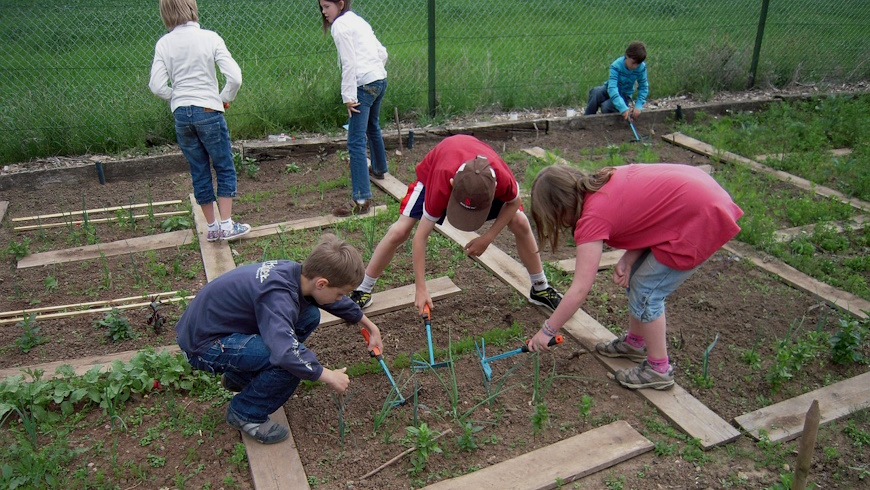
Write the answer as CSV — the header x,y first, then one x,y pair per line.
x,y
431,364
377,354
484,361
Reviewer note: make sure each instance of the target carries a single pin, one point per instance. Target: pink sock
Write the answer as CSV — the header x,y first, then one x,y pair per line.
x,y
634,340
659,365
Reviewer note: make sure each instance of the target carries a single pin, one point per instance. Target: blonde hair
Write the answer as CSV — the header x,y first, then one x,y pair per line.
x,y
178,12
336,261
557,198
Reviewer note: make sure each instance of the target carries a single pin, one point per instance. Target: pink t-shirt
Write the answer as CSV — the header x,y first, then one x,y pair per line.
x,y
440,165
679,212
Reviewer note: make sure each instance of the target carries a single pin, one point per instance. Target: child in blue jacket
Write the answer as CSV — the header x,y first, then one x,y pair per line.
x,y
615,94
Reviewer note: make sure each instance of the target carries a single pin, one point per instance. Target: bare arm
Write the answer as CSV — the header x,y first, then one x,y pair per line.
x,y
421,236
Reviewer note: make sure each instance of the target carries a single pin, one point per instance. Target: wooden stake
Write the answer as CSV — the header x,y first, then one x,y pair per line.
x,y
400,456
68,314
98,220
95,210
398,130
86,305
808,444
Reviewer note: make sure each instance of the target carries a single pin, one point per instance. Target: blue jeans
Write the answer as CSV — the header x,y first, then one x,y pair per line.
x,y
244,361
598,98
202,136
365,126
649,284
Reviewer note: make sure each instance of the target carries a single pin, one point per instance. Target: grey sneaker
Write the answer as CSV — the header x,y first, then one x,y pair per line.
x,y
214,235
620,348
547,297
267,432
644,376
237,231
362,298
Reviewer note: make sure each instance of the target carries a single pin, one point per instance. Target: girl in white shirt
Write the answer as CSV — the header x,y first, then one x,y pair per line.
x,y
363,83
183,73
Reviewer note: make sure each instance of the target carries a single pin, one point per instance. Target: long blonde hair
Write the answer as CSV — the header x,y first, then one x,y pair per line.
x,y
178,12
557,198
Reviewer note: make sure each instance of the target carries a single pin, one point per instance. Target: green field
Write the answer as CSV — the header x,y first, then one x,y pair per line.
x,y
75,75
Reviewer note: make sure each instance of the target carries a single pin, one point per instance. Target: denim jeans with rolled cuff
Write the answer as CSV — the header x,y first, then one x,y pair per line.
x,y
598,98
365,127
204,140
244,360
650,283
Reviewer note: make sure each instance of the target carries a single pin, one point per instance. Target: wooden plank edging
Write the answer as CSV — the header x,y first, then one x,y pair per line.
x,y
784,421
564,461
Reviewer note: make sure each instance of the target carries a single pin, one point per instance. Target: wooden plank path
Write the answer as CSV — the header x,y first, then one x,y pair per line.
x,y
4,205
677,405
698,146
856,223
562,462
837,298
785,420
608,260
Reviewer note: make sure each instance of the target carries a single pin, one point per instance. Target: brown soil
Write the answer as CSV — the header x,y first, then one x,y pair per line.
x,y
336,437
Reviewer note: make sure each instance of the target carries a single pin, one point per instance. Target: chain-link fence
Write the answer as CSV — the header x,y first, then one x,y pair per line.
x,y
75,73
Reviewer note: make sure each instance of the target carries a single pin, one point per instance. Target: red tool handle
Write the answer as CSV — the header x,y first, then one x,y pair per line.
x,y
376,352
426,312
555,340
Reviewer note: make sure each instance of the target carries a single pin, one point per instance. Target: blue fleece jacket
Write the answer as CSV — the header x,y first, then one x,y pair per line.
x,y
261,298
621,84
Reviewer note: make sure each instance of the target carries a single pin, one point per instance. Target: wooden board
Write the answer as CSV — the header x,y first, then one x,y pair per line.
x,y
608,260
837,298
697,146
4,205
785,420
545,155
837,152
857,223
216,256
565,461
677,405
121,247
306,223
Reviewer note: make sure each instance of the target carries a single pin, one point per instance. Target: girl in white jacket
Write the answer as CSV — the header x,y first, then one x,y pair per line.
x,y
363,83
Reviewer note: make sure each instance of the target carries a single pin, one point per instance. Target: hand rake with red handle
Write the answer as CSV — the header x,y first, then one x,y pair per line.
x,y
431,364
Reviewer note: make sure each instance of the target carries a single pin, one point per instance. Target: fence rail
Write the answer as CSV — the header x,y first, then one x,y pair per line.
x,y
75,73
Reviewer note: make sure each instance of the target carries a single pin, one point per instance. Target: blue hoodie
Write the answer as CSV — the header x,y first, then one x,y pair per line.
x,y
621,84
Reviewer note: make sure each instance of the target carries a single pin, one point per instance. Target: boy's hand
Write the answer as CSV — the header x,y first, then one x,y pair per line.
x,y
375,341
335,379
226,105
476,246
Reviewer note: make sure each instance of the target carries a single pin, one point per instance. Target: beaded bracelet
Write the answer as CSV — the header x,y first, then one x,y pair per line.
x,y
547,329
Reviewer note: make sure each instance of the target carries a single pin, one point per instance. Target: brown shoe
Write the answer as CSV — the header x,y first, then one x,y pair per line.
x,y
352,207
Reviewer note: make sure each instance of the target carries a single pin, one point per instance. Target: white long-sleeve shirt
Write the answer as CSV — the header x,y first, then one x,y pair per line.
x,y
360,55
183,71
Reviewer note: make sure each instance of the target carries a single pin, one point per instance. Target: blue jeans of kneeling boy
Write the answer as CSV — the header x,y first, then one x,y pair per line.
x,y
244,361
363,127
204,140
598,98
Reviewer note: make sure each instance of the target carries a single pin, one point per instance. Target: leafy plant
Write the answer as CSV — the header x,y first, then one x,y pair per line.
x,y
246,165
423,440
118,327
585,405
848,341
540,418
173,223
291,168
468,441
30,338
50,284
18,250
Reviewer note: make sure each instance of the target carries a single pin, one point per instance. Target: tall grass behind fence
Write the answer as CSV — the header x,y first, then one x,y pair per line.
x,y
75,73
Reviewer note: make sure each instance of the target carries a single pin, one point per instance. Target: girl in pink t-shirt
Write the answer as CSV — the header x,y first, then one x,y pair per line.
x,y
669,218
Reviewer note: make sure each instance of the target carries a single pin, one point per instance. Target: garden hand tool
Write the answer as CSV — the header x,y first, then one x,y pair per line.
x,y
376,353
431,364
484,361
637,137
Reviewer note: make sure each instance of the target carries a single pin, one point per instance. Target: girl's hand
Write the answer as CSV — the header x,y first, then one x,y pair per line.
x,y
351,108
621,274
422,299
539,342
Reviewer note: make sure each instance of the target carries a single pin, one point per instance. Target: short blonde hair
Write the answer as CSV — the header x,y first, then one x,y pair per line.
x,y
336,261
178,12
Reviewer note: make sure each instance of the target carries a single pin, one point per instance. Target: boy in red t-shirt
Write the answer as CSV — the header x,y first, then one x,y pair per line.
x,y
669,218
464,180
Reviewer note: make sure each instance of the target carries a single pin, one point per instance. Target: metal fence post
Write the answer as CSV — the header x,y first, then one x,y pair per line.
x,y
762,19
431,58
